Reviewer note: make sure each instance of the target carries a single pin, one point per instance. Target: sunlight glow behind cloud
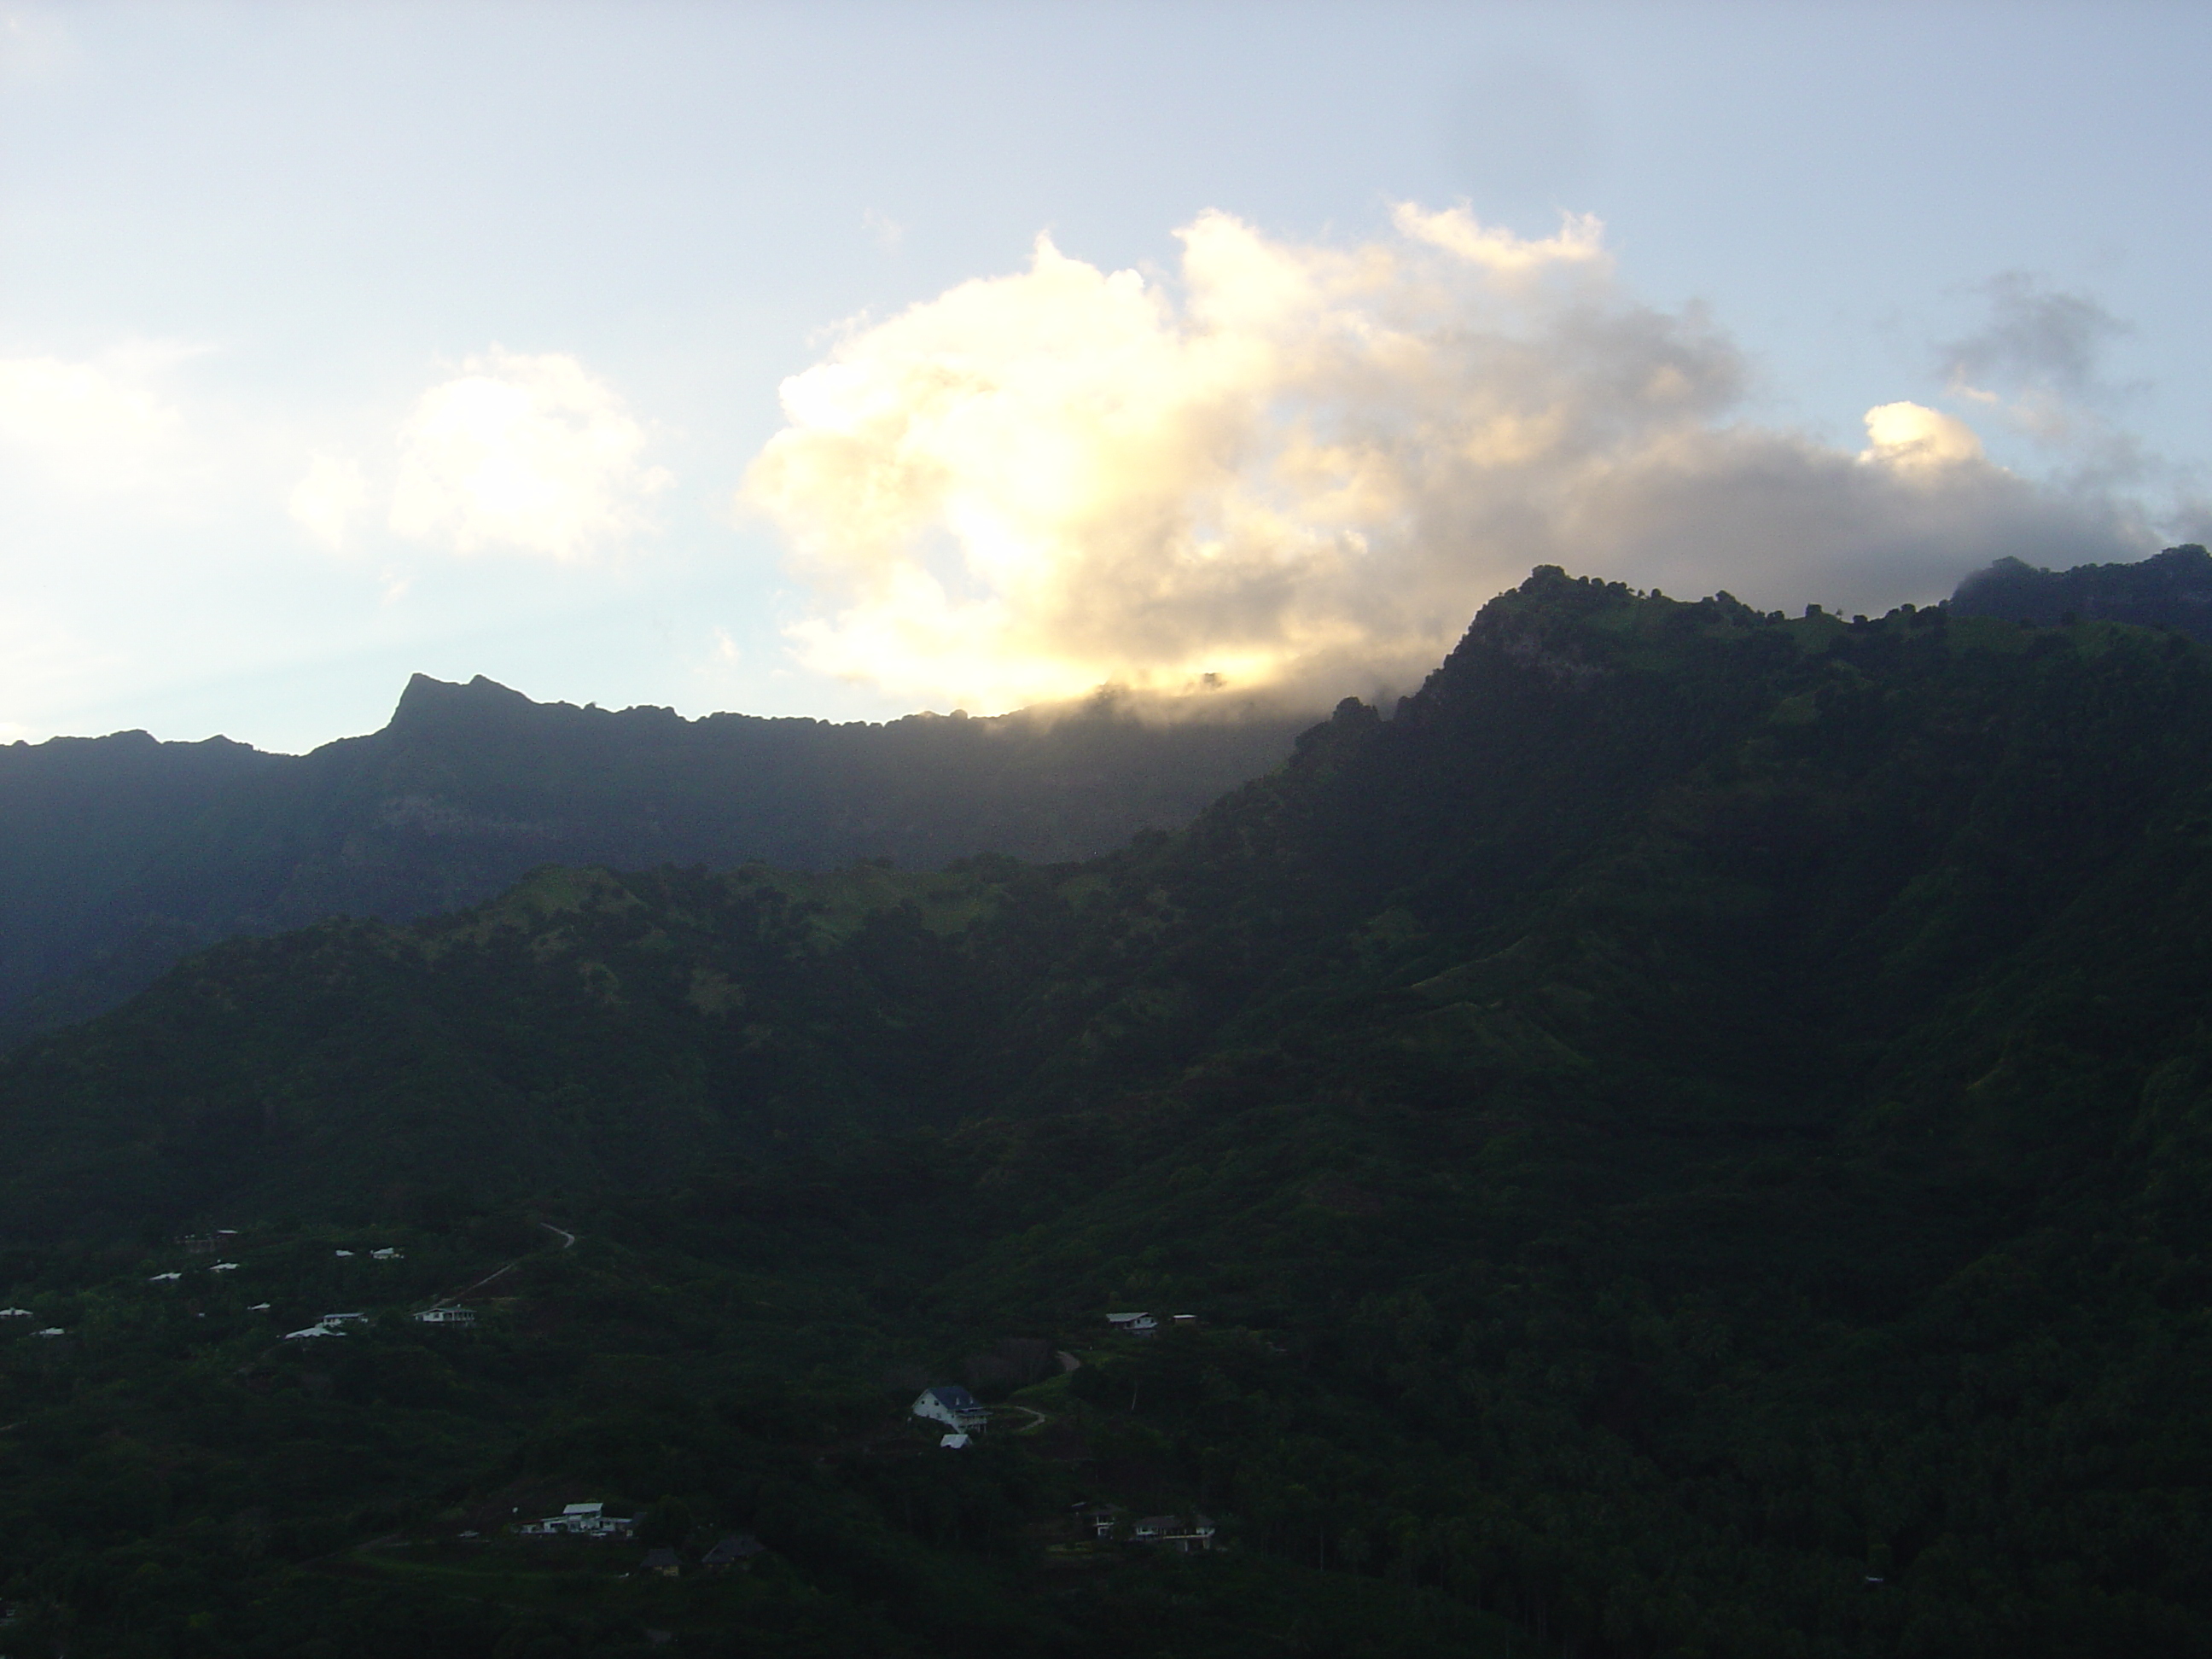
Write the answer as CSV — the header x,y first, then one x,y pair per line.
x,y
327,497
91,425
527,454
1305,467
1913,437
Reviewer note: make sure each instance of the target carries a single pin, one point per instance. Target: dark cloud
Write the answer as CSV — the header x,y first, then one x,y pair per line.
x,y
2038,340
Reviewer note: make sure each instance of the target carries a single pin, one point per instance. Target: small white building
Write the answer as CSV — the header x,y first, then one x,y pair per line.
x,y
224,1267
953,1406
15,1313
1100,1519
579,1521
1133,1324
955,1441
447,1316
388,1254
338,1319
165,1278
310,1330
1183,1534
51,1330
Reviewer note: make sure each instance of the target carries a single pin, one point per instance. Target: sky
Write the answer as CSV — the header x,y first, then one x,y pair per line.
x,y
846,359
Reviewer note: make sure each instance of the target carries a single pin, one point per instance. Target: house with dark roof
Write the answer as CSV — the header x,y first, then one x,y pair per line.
x,y
662,1561
952,1405
738,1550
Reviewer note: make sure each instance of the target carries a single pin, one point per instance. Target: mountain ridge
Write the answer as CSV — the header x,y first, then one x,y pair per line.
x,y
1689,1138
468,786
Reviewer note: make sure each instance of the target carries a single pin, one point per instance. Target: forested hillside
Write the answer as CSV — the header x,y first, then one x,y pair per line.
x,y
2172,590
1688,1137
118,854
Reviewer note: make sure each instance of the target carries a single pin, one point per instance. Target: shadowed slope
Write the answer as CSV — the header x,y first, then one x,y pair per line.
x,y
123,853
1690,1135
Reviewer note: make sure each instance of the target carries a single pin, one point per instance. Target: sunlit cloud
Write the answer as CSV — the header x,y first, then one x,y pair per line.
x,y
526,454
1304,466
1914,438
88,425
1580,239
328,498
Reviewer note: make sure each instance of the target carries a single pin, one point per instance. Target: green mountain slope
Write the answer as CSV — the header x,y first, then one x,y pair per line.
x,y
119,854
1685,1139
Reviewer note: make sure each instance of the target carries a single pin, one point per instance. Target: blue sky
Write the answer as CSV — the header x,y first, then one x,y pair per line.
x,y
342,342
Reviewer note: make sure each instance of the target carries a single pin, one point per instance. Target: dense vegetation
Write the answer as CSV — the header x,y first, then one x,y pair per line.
x,y
119,854
1694,1136
2171,591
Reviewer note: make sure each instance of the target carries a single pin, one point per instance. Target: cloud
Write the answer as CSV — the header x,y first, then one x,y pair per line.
x,y
2038,362
1914,438
2035,338
1305,467
91,425
529,454
887,231
324,501
32,44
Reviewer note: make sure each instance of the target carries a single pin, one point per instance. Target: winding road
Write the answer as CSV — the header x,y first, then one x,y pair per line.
x,y
568,1242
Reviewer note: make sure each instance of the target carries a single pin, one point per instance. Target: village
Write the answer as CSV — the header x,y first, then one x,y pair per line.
x,y
1089,1532
215,1270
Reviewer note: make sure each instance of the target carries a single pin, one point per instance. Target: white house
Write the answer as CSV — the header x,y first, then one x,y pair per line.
x,y
338,1319
1100,1518
15,1313
952,1405
579,1521
224,1267
447,1316
1133,1324
1181,1534
955,1441
51,1330
312,1330
388,1254
165,1278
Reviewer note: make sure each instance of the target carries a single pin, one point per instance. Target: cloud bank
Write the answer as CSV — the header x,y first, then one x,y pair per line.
x,y
1302,468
